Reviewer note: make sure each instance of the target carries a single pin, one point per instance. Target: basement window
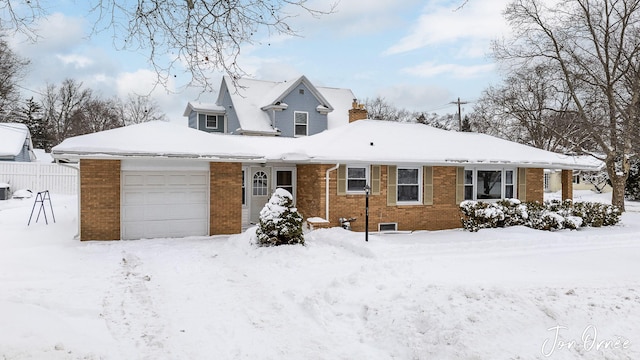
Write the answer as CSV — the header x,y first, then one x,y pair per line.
x,y
382,227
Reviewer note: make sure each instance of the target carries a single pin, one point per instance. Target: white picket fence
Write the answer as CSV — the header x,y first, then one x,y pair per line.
x,y
36,177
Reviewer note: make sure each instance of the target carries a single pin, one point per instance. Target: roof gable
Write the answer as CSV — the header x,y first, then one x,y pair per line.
x,y
13,137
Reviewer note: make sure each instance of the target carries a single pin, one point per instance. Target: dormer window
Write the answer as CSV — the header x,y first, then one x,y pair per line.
x,y
211,121
301,123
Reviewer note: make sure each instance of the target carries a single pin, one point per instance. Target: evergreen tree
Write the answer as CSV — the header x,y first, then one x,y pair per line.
x,y
32,115
632,188
280,222
466,125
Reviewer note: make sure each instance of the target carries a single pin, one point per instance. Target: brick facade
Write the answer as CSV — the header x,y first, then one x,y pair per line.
x,y
99,199
443,214
535,184
567,184
226,198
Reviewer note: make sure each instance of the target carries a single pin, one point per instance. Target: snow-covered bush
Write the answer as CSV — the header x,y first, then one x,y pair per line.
x,y
280,222
551,215
597,214
632,187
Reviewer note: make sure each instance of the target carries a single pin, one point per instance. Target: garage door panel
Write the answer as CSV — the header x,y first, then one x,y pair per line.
x,y
164,204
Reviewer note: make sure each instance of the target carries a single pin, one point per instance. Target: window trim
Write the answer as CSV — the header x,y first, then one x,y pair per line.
x,y
503,183
367,177
295,124
220,118
420,183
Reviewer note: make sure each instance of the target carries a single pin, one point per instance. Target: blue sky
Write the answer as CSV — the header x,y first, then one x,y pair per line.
x,y
419,55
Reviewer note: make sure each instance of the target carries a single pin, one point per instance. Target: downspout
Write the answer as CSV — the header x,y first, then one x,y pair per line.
x,y
78,192
326,211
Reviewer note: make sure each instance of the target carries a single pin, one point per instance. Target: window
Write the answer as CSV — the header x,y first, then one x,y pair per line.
x,y
211,121
508,184
357,177
301,122
468,184
409,185
244,190
576,179
284,180
489,184
546,179
260,186
301,91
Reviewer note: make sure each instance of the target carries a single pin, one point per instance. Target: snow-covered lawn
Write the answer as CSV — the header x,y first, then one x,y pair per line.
x,y
494,294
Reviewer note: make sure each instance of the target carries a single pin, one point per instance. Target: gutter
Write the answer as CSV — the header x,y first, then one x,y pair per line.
x,y
326,178
77,236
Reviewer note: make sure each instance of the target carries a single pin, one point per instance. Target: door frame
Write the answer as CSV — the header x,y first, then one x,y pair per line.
x,y
272,172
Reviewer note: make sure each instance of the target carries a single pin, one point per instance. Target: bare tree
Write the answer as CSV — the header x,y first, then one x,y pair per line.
x,y
12,69
532,108
63,106
97,115
204,35
593,47
138,109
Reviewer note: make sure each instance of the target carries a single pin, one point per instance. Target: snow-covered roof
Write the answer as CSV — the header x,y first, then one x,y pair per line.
x,y
363,141
13,136
156,139
387,142
202,107
251,96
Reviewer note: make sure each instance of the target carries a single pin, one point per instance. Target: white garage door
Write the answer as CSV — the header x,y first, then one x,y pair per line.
x,y
164,204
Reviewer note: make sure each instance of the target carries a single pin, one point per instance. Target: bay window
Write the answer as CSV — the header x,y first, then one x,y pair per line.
x,y
489,184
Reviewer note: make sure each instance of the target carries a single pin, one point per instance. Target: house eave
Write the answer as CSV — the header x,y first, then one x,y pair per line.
x,y
75,156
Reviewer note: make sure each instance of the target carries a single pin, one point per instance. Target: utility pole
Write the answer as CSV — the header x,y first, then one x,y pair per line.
x,y
459,112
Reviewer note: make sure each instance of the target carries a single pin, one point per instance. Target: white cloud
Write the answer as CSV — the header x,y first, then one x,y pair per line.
x,y
57,33
431,69
427,98
350,18
76,60
477,21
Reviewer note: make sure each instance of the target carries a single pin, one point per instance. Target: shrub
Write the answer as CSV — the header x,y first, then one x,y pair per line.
x,y
551,215
280,222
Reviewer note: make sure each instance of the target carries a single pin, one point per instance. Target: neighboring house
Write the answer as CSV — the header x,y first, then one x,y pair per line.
x,y
594,180
291,108
159,179
15,143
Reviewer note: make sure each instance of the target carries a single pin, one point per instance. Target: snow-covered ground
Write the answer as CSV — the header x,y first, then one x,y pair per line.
x,y
496,294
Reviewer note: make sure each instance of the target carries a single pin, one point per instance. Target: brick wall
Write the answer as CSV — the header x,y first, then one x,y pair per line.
x,y
99,199
443,214
535,185
567,184
226,198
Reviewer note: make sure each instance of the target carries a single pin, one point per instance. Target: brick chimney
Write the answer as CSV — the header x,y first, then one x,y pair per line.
x,y
357,111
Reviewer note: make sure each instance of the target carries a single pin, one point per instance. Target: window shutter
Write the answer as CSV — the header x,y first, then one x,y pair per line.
x,y
375,179
522,184
342,180
459,185
427,173
392,185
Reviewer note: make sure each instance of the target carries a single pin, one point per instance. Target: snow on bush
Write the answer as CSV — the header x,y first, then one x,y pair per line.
x,y
280,222
551,215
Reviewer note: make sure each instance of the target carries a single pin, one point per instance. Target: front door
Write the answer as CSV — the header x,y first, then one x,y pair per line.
x,y
260,191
